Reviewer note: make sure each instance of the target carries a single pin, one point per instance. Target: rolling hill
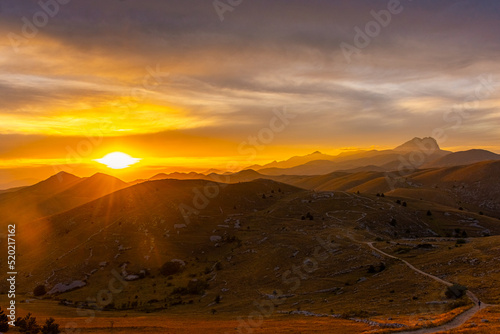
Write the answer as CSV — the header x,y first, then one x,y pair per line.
x,y
427,150
240,243
463,158
56,194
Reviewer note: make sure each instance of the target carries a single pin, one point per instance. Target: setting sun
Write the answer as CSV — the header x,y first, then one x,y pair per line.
x,y
118,160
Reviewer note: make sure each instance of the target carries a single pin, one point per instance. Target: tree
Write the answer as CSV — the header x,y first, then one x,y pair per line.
x,y
50,327
39,290
170,268
4,322
27,324
455,291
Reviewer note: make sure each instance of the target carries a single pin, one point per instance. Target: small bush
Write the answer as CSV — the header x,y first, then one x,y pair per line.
x,y
455,291
461,241
4,322
39,290
196,287
50,327
356,314
170,268
27,324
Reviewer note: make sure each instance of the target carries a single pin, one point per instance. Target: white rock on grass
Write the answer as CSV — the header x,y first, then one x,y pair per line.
x,y
60,287
215,238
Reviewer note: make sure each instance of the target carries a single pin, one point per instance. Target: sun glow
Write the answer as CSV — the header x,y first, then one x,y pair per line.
x,y
118,160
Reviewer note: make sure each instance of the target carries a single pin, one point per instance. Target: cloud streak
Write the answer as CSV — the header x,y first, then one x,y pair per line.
x,y
222,79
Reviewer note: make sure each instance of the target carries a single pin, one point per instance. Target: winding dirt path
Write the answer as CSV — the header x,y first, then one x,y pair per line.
x,y
458,320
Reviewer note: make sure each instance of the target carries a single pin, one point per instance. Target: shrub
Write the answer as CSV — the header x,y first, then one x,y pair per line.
x,y
218,266
27,324
50,327
170,268
39,290
461,241
429,213
196,287
355,314
455,291
4,322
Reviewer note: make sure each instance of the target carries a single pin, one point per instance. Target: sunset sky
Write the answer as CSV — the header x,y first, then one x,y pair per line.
x,y
182,85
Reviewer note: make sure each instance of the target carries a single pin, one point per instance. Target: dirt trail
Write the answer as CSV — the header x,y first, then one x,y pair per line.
x,y
458,320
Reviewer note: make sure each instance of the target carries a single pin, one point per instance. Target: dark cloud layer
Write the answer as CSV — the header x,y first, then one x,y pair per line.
x,y
226,76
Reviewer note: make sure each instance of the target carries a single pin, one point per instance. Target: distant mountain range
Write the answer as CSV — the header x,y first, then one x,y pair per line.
x,y
420,152
363,171
223,225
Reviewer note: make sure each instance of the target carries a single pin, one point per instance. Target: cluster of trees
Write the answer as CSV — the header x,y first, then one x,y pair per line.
x,y
307,216
29,325
373,270
401,203
171,268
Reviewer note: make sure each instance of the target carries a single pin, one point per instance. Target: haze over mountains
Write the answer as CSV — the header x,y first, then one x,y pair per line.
x,y
219,227
412,169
